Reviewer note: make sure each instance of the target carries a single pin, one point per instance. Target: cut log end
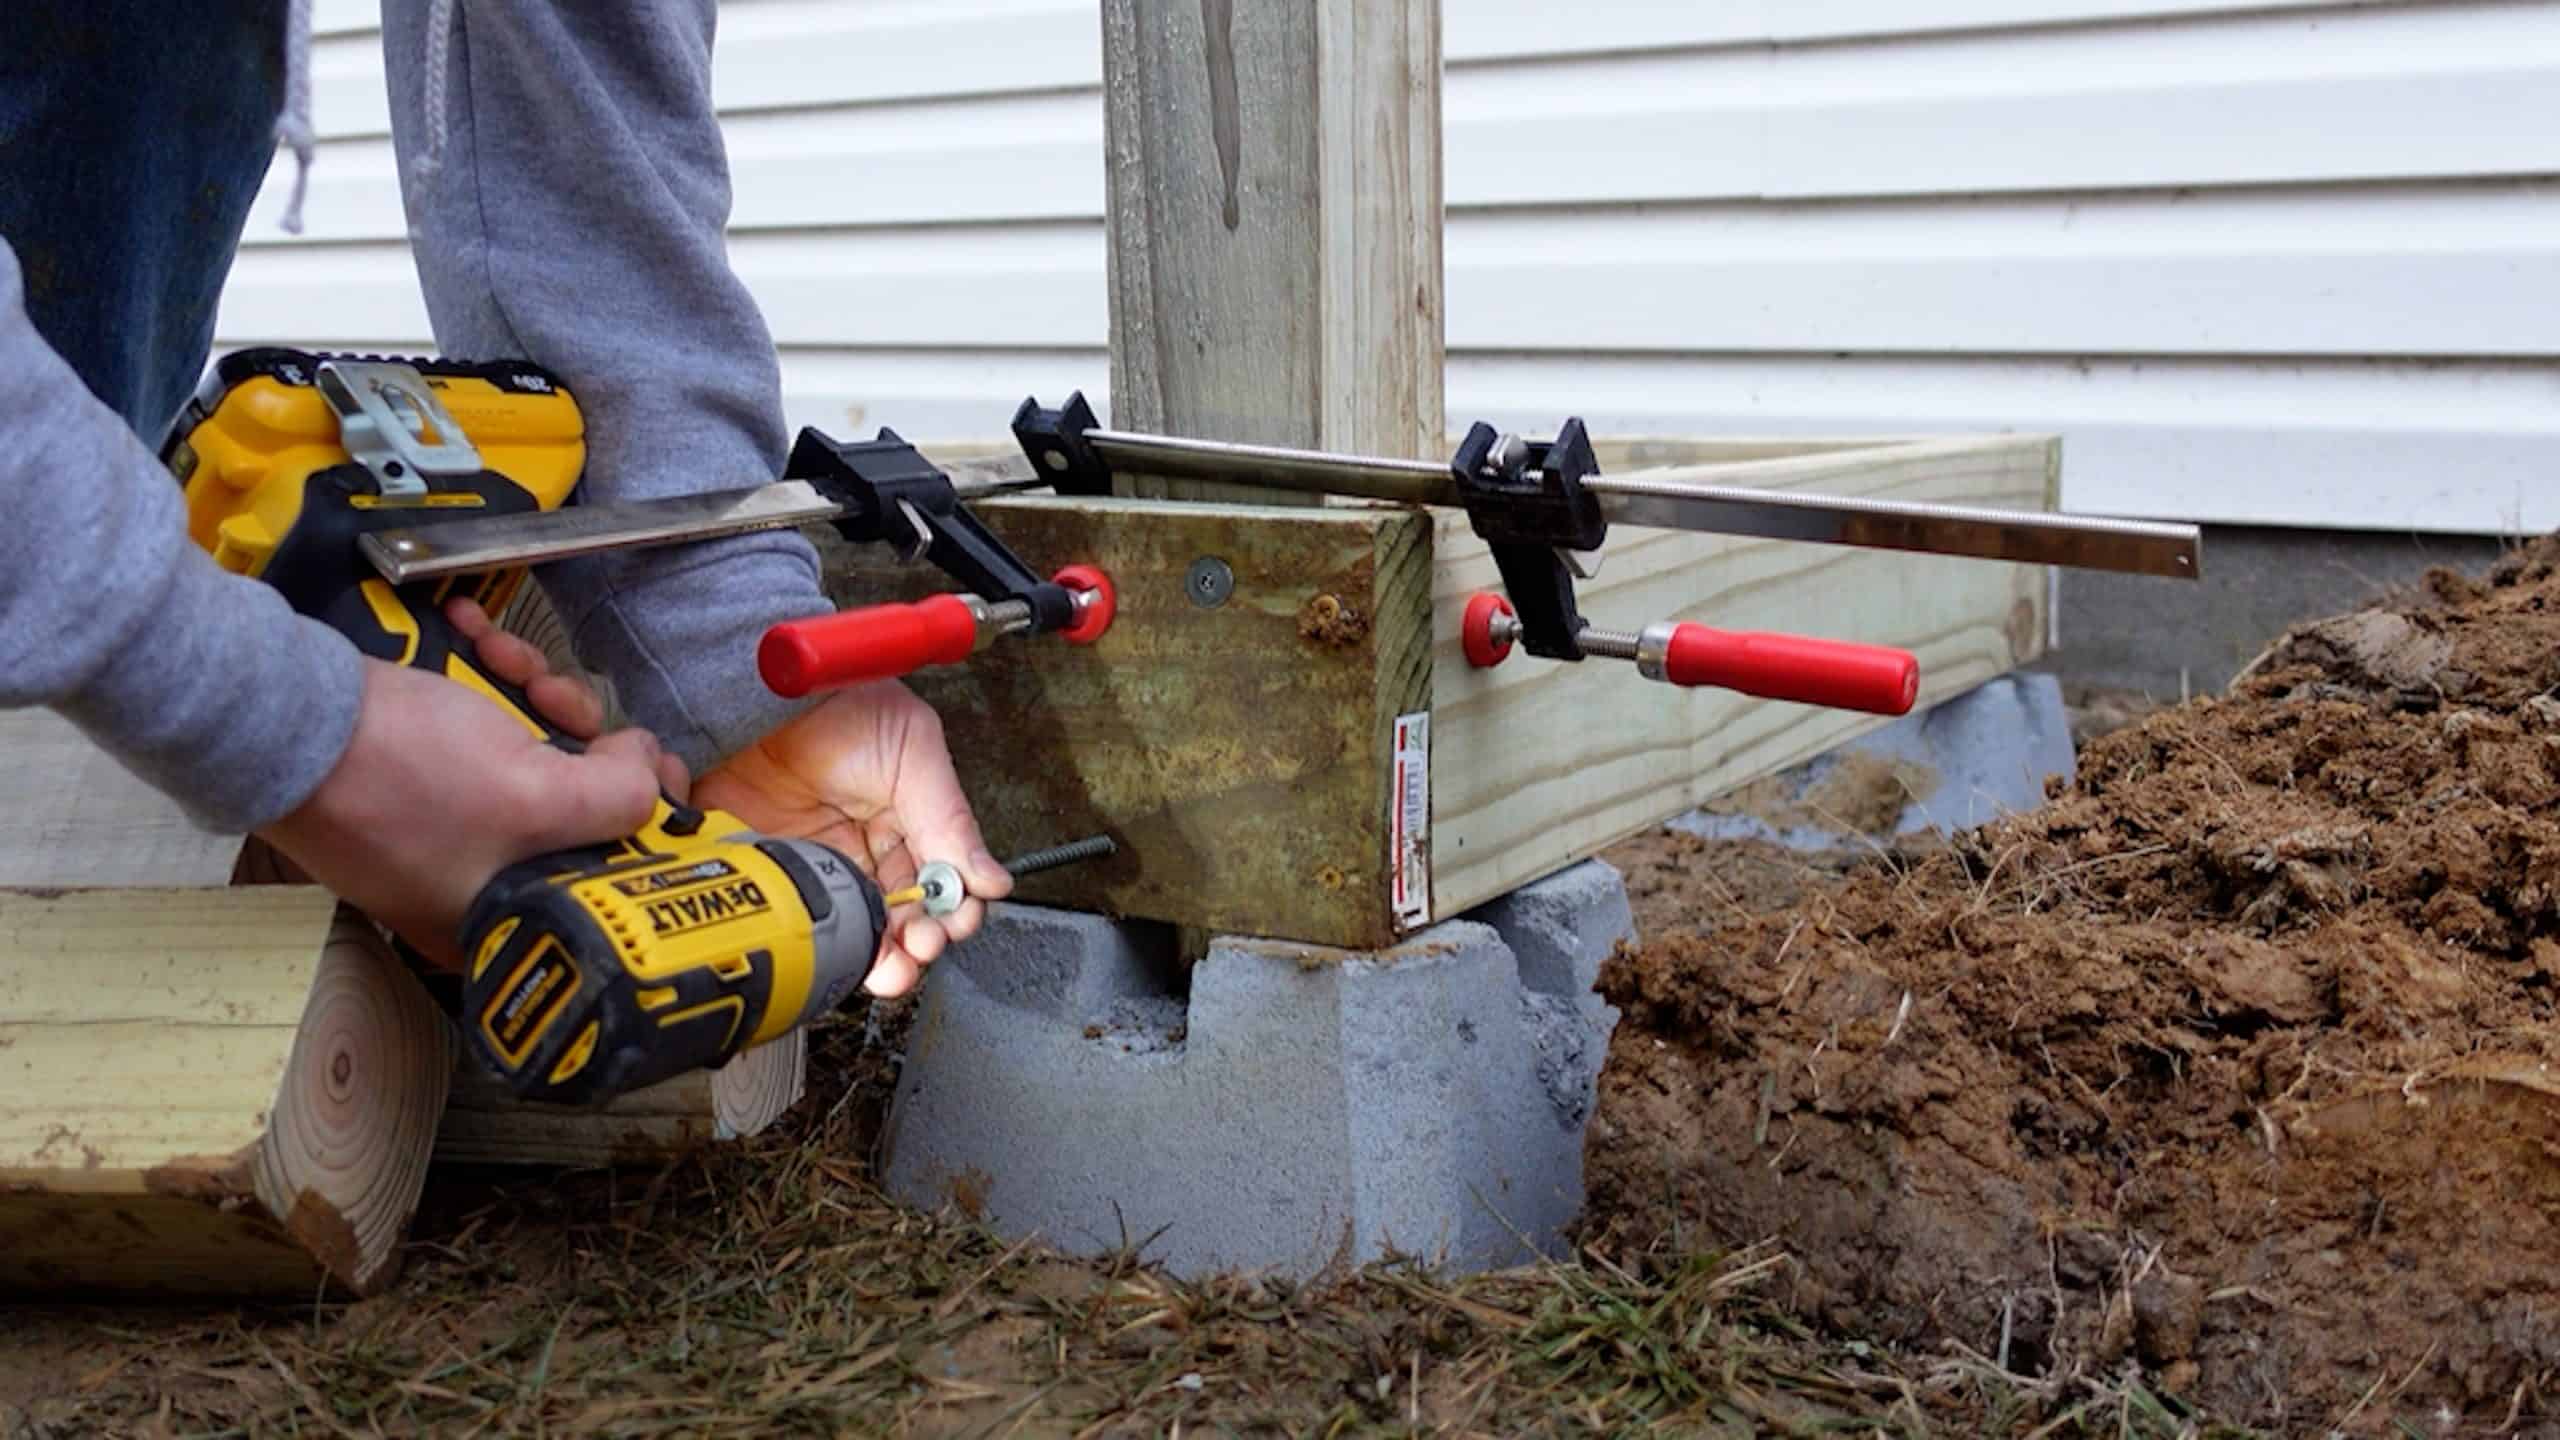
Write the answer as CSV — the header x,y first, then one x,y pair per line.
x,y
752,1091
345,1156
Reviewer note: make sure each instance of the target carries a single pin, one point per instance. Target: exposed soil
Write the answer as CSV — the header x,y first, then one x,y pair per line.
x,y
2230,1072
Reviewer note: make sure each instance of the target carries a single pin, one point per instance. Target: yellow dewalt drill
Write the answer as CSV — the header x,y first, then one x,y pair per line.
x,y
588,972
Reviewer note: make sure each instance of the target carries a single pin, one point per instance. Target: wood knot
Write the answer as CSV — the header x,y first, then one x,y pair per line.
x,y
1327,621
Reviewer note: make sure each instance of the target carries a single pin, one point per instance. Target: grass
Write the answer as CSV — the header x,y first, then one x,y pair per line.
x,y
770,1288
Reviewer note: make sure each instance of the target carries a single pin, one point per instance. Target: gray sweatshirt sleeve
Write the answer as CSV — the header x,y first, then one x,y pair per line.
x,y
568,195
204,684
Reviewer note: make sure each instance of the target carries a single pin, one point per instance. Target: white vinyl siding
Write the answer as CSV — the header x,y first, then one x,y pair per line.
x,y
2264,263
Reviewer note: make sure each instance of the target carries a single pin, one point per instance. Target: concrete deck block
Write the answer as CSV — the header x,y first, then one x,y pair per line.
x,y
1562,927
1060,964
1967,761
1294,1110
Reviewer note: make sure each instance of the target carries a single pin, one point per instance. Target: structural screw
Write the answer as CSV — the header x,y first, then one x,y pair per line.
x,y
940,889
1093,847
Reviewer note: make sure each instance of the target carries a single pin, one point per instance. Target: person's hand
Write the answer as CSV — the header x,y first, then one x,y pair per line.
x,y
867,771
439,790
567,704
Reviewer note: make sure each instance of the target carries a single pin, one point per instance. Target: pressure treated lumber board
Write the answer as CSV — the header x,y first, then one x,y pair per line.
x,y
246,1109
70,815
1236,752
1273,212
1536,764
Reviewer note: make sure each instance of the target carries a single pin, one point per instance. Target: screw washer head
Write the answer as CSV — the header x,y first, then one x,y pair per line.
x,y
1209,582
943,890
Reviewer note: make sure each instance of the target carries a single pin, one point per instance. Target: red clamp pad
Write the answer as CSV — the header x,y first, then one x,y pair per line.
x,y
877,642
1475,633
1833,673
1096,616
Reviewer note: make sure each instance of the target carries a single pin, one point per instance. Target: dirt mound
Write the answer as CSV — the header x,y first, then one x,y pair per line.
x,y
2233,1068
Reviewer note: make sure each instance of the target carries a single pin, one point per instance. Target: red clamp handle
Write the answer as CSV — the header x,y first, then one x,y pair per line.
x,y
877,642
1838,674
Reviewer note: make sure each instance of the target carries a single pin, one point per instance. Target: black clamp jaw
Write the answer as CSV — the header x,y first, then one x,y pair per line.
x,y
1527,501
1054,439
894,496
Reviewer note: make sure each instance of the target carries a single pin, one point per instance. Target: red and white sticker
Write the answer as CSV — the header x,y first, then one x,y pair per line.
x,y
1409,822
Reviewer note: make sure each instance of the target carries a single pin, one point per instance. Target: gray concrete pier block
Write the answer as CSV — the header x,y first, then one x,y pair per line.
x,y
1964,762
1277,1108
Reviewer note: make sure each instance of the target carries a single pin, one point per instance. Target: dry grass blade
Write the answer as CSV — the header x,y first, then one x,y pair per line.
x,y
1475,1310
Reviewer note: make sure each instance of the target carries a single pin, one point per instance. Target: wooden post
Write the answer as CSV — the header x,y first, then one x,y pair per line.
x,y
1274,215
217,1091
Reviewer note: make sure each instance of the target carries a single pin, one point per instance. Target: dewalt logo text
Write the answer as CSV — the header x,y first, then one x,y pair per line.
x,y
679,913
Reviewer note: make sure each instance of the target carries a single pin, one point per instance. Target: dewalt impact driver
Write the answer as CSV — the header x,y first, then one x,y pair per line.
x,y
588,972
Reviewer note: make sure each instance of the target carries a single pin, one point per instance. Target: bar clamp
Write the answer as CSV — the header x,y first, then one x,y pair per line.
x,y
889,493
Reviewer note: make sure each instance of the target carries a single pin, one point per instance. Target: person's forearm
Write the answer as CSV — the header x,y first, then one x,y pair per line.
x,y
204,684
574,217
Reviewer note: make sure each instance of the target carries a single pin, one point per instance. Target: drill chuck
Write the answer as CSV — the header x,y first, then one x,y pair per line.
x,y
847,921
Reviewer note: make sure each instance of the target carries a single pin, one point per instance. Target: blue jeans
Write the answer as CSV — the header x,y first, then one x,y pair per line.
x,y
134,135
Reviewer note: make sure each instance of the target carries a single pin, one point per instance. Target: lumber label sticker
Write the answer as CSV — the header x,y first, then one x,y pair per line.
x,y
1409,822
